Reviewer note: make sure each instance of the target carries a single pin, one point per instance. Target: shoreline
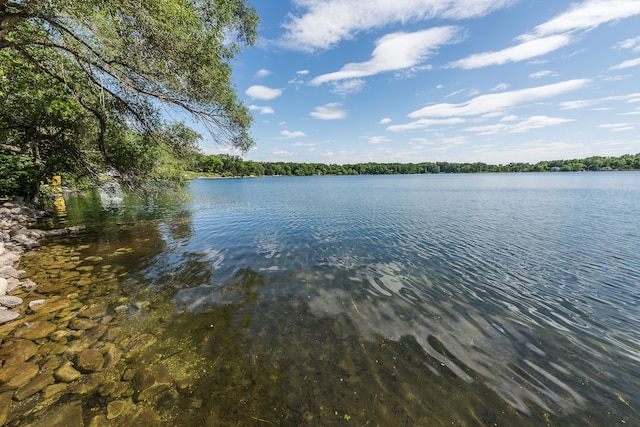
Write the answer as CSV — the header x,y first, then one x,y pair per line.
x,y
16,238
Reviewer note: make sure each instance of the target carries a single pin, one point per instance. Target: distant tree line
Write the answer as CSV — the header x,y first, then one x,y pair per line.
x,y
230,165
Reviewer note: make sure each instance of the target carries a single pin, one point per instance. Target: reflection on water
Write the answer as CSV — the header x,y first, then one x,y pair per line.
x,y
465,300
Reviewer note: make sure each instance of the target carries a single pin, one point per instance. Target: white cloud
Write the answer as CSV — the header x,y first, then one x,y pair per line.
x,y
616,127
454,93
509,118
496,101
394,52
261,109
626,64
331,111
425,123
540,74
384,121
555,33
262,73
283,153
262,92
500,87
325,23
533,122
348,87
526,50
589,15
378,139
583,103
302,72
633,44
288,134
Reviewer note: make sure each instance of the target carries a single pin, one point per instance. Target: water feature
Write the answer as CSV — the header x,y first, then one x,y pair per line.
x,y
508,299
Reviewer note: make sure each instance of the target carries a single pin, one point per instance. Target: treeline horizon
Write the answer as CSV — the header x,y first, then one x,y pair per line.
x,y
230,165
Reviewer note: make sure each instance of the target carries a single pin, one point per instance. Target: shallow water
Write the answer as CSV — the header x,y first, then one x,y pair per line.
x,y
506,299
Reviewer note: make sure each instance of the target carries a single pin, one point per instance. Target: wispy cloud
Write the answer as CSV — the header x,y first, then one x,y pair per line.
x,y
589,15
633,44
523,51
262,92
617,127
331,111
497,101
348,87
261,109
285,134
533,122
425,123
325,23
555,33
541,74
394,52
384,121
262,73
626,64
377,139
584,103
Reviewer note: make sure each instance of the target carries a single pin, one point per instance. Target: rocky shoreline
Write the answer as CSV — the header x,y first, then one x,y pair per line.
x,y
67,357
15,238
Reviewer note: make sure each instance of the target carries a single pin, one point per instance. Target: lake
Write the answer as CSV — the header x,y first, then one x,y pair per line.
x,y
480,299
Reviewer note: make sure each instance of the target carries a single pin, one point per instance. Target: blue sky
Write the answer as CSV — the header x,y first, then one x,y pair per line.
x,y
497,81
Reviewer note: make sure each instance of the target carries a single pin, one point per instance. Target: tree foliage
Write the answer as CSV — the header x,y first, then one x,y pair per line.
x,y
227,165
85,84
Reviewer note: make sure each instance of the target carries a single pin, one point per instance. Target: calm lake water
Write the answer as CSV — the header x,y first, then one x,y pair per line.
x,y
484,299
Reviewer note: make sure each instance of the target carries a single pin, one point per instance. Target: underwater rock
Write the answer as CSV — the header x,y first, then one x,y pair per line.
x,y
20,350
80,324
17,374
53,390
5,404
55,303
93,312
150,381
35,330
67,373
38,383
115,409
140,343
89,360
67,415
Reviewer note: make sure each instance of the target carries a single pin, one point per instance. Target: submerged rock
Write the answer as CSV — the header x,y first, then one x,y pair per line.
x,y
67,373
150,381
89,360
35,330
17,374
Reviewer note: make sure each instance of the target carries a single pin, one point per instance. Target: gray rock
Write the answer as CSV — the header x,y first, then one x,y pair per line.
x,y
7,271
8,316
10,301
